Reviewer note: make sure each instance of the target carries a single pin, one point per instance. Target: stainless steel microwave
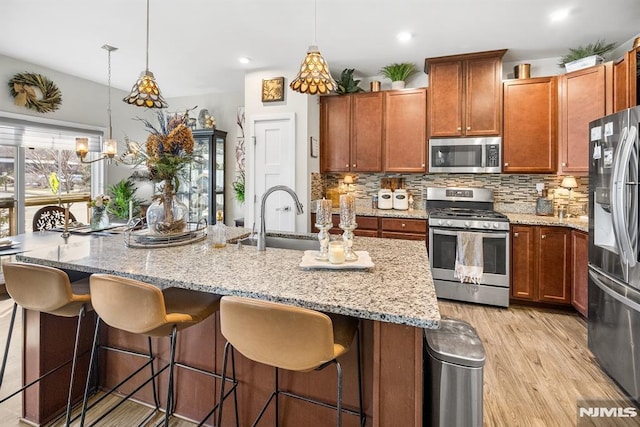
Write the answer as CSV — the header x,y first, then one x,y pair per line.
x,y
465,155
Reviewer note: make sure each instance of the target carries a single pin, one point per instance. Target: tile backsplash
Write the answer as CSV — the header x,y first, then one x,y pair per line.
x,y
512,192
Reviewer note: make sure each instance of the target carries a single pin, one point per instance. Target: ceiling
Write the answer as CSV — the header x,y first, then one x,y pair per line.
x,y
195,44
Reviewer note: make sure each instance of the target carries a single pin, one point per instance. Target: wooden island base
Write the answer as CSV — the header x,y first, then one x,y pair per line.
x,y
392,357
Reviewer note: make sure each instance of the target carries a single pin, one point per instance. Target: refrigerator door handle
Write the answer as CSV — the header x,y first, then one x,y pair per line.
x,y
612,293
620,170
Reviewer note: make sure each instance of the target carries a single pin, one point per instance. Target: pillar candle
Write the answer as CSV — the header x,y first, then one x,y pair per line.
x,y
130,210
323,211
347,209
336,252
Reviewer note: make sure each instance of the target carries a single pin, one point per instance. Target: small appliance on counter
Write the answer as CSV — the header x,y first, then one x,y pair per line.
x,y
544,205
385,199
400,199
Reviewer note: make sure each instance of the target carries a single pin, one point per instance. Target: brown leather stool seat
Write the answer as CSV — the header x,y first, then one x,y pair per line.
x,y
292,338
47,290
141,308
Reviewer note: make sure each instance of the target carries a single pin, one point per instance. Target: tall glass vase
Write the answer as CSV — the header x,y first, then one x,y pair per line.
x,y
99,218
167,215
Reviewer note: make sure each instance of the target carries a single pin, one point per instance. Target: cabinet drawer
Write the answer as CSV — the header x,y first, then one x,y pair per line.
x,y
365,233
418,226
367,222
404,236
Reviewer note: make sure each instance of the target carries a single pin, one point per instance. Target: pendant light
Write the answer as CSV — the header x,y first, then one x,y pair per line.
x,y
145,91
110,144
314,76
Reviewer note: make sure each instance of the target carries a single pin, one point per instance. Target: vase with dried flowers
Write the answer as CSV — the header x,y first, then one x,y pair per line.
x,y
168,152
99,216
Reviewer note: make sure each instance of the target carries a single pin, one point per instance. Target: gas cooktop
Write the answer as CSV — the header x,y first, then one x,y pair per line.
x,y
464,213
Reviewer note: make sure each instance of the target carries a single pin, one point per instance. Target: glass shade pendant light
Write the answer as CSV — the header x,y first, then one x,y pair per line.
x,y
145,91
314,76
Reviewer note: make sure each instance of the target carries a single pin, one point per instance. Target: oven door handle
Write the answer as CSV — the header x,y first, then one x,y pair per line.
x,y
489,235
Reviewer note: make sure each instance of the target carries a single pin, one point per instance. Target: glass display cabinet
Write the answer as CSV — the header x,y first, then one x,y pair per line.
x,y
204,192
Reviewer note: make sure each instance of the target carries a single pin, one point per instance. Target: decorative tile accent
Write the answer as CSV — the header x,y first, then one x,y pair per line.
x,y
512,193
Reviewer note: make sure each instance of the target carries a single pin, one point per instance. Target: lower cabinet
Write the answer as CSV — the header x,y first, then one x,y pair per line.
x,y
541,264
401,228
579,277
373,226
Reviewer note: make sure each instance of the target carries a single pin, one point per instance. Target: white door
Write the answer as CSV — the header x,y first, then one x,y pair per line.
x,y
274,164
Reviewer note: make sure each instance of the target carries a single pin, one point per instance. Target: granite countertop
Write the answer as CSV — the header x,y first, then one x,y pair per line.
x,y
399,289
581,224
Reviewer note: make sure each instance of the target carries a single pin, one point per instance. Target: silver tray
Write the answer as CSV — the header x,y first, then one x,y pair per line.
x,y
143,239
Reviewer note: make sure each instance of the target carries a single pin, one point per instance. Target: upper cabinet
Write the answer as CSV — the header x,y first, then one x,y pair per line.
x,y
465,94
625,81
530,119
405,130
357,131
351,133
585,95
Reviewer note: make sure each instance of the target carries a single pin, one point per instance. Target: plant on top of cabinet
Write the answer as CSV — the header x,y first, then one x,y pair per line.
x,y
598,48
398,73
347,84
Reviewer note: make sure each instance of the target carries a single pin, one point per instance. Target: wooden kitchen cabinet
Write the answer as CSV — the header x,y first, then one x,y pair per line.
x,y
405,130
625,81
579,277
540,264
351,133
530,125
367,225
401,228
465,94
584,96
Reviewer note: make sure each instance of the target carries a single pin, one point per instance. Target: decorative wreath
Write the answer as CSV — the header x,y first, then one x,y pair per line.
x,y
23,88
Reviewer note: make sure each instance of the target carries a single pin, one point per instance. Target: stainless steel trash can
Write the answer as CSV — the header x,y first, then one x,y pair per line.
x,y
454,361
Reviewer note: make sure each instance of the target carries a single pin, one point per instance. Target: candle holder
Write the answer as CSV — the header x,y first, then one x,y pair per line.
x,y
65,233
347,237
323,238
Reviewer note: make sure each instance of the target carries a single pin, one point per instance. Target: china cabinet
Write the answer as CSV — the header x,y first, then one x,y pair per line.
x,y
203,188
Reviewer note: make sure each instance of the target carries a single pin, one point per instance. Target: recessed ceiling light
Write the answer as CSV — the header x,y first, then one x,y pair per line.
x,y
244,60
559,15
404,36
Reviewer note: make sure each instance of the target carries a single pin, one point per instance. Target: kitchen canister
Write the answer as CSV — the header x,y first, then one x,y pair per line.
x,y
522,71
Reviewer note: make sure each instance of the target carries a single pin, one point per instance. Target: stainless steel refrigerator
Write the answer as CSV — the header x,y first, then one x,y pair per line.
x,y
614,258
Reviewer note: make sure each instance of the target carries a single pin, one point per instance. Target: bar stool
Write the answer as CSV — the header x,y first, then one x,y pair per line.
x,y
292,338
46,290
141,308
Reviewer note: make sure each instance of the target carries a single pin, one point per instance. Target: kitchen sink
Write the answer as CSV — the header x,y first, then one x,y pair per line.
x,y
294,243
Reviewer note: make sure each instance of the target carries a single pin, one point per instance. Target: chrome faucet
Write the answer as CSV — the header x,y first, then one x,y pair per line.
x,y
262,235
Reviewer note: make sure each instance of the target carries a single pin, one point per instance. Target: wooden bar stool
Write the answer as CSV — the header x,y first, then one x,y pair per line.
x,y
46,290
292,338
141,308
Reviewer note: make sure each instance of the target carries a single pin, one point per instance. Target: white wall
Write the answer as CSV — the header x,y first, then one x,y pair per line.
x,y
306,111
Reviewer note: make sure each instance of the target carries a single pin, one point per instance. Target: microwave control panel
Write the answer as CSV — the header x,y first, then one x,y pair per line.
x,y
493,155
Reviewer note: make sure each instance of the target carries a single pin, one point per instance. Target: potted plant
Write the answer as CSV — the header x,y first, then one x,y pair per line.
x,y
585,56
347,84
122,193
398,73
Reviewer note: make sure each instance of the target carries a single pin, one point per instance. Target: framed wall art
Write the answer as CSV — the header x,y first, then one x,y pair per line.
x,y
273,89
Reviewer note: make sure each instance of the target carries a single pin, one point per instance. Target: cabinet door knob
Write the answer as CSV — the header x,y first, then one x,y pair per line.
x,y
459,127
403,225
423,165
347,165
543,236
516,234
506,164
354,165
564,164
468,127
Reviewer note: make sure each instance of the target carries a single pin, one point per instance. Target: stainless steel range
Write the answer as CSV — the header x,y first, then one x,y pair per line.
x,y
456,210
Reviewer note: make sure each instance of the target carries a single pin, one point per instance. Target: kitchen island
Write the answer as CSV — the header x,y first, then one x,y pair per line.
x,y
395,300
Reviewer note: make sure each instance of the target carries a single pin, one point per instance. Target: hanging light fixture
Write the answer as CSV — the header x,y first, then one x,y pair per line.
x,y
110,144
145,91
314,76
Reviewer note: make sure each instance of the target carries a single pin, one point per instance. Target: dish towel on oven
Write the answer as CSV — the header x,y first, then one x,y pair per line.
x,y
469,259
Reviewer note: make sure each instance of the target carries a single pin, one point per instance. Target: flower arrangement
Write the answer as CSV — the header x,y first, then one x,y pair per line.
x,y
168,151
100,202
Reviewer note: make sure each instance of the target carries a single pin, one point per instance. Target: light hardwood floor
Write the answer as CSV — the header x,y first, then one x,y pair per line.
x,y
537,367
